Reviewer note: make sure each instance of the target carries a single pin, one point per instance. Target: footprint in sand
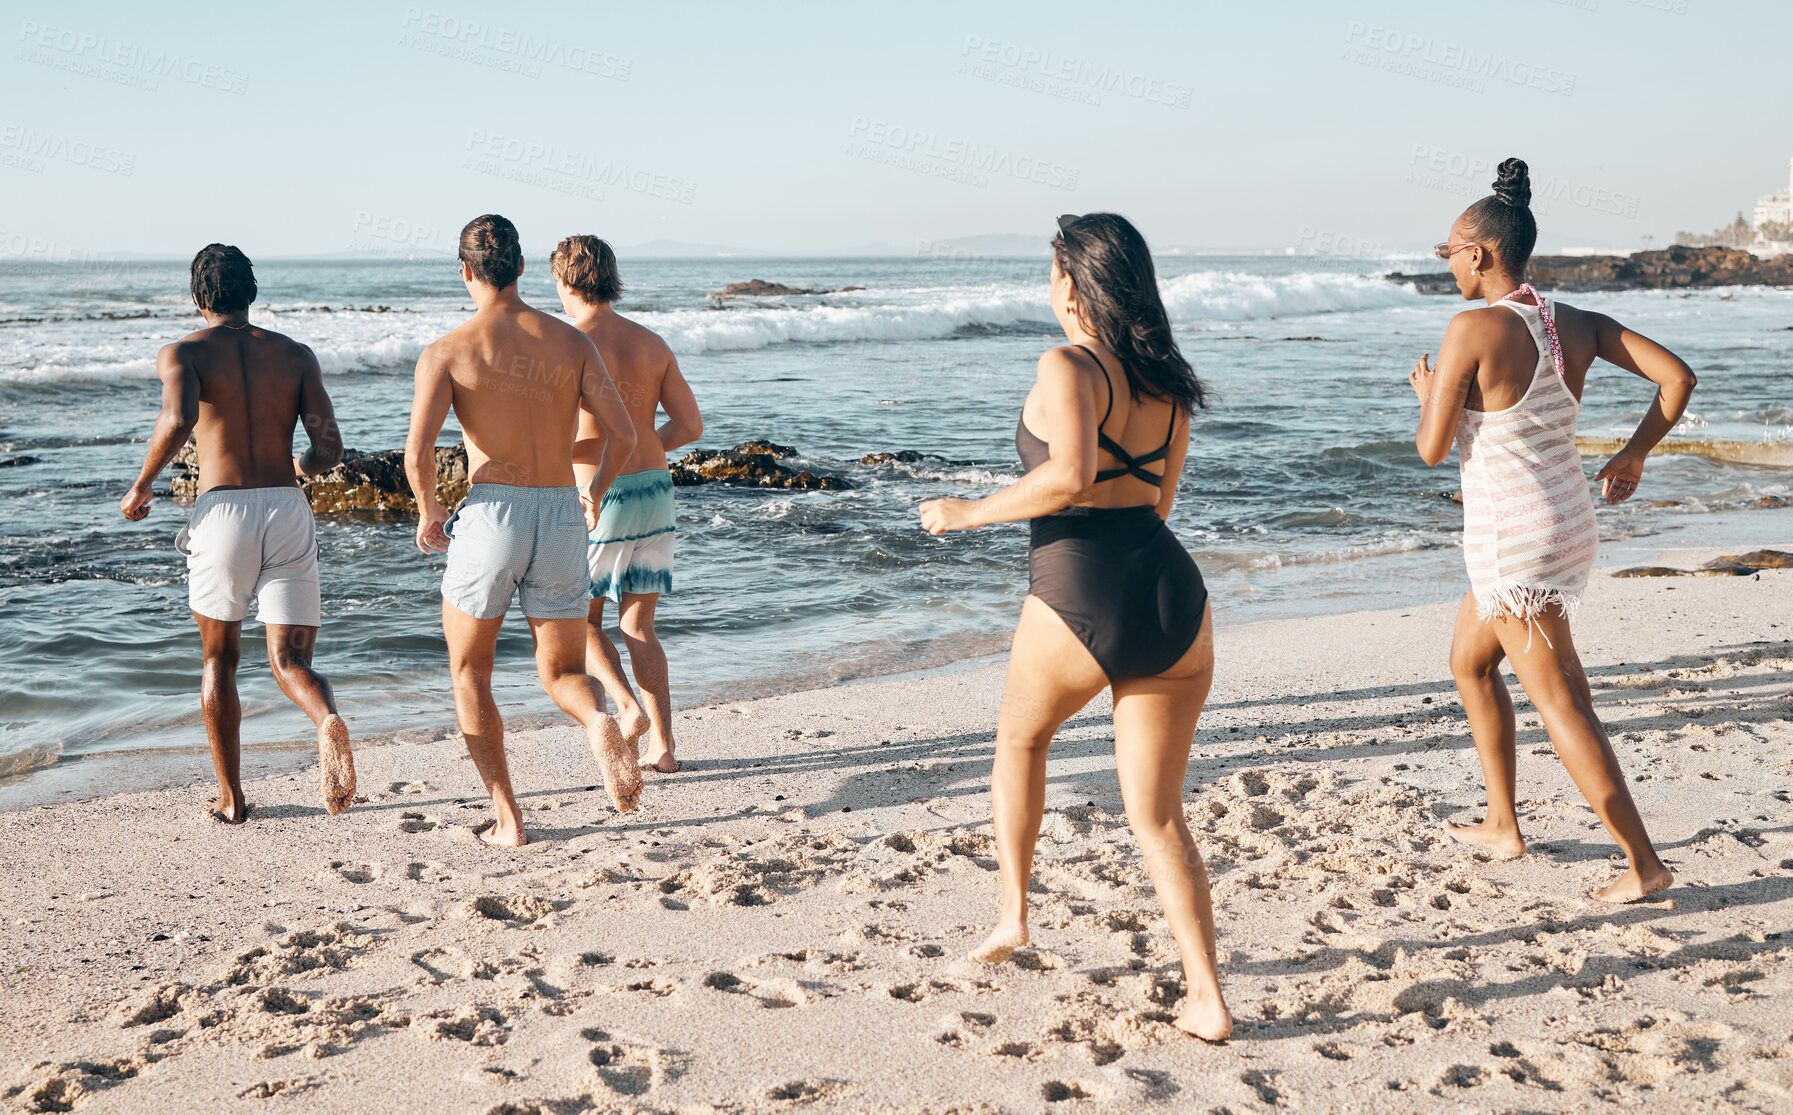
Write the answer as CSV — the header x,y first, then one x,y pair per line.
x,y
350,872
299,952
769,993
428,872
473,1024
268,1089
801,1091
415,823
516,911
1058,1091
628,1067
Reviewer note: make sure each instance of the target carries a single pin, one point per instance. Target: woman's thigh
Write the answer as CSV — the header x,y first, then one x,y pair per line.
x,y
1051,675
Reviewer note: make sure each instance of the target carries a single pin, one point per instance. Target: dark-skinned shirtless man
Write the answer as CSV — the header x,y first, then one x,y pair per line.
x,y
517,379
240,391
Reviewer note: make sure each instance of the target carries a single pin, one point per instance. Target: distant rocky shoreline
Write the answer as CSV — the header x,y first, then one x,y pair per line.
x,y
1676,268
760,288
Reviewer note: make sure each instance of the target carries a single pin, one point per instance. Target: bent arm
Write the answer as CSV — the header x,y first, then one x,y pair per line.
x,y
1070,433
1446,389
432,395
1641,356
599,398
179,414
319,418
684,424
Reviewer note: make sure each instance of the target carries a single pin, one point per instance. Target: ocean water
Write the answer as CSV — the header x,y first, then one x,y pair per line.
x,y
1302,492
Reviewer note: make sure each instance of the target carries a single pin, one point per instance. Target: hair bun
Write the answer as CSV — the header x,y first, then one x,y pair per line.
x,y
1514,184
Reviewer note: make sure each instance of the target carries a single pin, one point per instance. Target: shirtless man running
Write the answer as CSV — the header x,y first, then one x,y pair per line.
x,y
631,543
241,390
517,379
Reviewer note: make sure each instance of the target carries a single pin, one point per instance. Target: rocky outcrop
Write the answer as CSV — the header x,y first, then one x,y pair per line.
x,y
1731,565
1774,454
359,482
752,464
760,288
1673,268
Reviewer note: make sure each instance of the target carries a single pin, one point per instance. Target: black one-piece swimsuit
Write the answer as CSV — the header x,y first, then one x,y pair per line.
x,y
1117,576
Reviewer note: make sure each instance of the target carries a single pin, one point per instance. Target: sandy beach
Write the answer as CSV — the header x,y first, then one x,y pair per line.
x,y
783,925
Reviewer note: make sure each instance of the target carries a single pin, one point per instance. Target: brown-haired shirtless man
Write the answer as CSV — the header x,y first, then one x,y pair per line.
x,y
517,379
240,391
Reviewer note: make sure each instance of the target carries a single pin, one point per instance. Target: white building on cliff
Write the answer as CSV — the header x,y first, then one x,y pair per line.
x,y
1776,208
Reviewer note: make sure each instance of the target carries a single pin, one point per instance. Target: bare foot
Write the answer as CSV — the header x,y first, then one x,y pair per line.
x,y
616,759
492,836
1504,843
336,764
235,815
1634,885
660,759
634,725
1001,943
1208,1020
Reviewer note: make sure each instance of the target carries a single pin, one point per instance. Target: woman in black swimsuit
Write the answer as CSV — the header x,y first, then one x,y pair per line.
x,y
1114,599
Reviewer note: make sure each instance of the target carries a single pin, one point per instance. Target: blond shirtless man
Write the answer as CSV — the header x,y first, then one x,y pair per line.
x,y
518,380
630,551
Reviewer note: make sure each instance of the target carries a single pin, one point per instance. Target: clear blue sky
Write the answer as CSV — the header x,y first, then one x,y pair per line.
x,y
299,129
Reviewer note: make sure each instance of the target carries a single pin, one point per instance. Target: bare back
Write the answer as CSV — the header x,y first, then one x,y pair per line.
x,y
515,374
643,369
1507,356
252,386
1140,425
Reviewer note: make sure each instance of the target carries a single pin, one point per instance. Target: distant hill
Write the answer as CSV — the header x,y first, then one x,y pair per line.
x,y
988,244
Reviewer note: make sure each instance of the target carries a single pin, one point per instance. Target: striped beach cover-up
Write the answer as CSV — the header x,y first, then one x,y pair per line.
x,y
1529,535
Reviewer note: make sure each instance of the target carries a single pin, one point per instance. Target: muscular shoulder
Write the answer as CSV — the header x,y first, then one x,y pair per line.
x,y
643,343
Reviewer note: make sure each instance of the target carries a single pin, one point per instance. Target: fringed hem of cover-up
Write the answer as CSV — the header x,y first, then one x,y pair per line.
x,y
1526,605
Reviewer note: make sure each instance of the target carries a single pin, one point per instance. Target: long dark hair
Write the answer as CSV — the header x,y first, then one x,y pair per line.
x,y
1117,300
1504,218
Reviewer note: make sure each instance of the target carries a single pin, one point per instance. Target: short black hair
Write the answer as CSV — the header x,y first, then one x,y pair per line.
x,y
489,246
223,279
1504,218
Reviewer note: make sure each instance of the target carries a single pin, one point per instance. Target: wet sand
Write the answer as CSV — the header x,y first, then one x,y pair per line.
x,y
783,925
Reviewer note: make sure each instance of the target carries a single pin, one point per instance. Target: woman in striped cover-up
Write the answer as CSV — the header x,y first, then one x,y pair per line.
x,y
1507,390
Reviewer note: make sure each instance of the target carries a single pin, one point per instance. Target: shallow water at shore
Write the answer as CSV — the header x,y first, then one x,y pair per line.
x,y
1302,491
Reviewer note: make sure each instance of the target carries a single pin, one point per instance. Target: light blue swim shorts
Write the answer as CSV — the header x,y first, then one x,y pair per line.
x,y
506,540
631,549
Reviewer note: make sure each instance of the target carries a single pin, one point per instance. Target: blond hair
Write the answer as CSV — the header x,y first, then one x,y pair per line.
x,y
587,266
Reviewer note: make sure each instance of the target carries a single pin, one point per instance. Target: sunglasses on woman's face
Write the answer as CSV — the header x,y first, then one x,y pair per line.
x,y
1444,251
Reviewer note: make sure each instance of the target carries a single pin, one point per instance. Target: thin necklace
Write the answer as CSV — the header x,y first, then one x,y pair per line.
x,y
228,325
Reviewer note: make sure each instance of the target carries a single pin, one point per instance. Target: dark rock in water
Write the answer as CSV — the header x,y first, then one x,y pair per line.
x,y
1762,559
1724,568
1651,571
901,456
771,448
1673,268
359,482
1454,497
1773,501
753,464
15,462
760,288
1665,503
